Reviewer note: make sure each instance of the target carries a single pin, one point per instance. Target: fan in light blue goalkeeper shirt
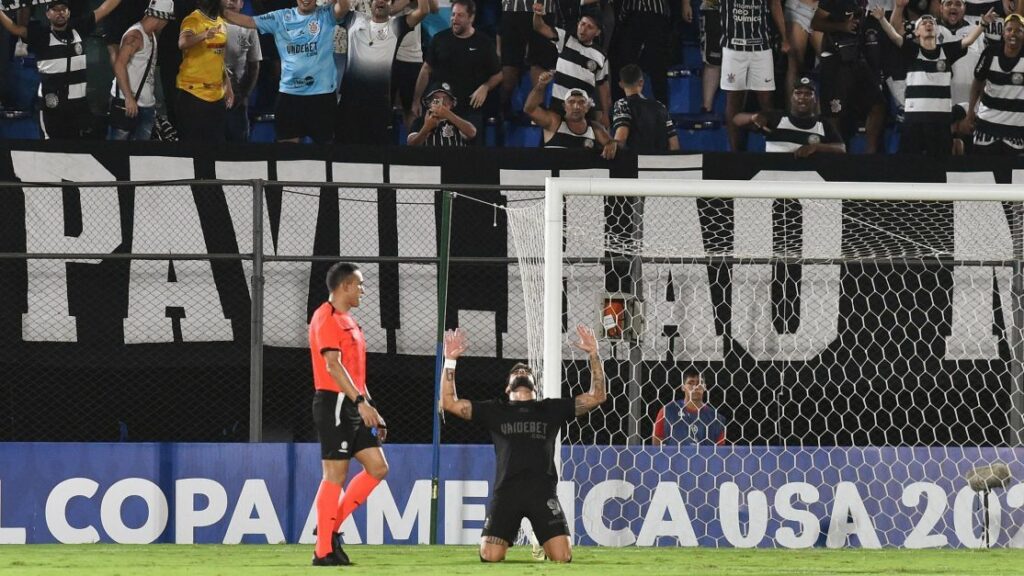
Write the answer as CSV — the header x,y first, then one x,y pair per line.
x,y
304,36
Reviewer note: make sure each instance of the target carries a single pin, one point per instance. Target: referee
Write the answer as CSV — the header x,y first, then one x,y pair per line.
x,y
524,430
346,421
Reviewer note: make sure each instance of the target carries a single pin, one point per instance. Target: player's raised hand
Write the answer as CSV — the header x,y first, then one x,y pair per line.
x,y
454,343
587,341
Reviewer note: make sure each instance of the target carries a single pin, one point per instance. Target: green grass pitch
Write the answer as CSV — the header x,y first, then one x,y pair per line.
x,y
155,560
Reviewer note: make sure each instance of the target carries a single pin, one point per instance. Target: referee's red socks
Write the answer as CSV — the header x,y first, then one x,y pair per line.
x,y
355,494
326,511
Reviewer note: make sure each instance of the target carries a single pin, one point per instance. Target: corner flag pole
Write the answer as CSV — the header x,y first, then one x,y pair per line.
x,y
442,305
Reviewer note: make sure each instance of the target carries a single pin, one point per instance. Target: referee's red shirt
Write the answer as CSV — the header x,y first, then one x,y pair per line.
x,y
330,329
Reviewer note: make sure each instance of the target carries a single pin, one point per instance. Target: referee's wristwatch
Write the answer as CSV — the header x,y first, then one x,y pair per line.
x,y
359,400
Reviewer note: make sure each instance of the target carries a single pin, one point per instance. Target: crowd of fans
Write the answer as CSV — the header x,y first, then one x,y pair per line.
x,y
947,73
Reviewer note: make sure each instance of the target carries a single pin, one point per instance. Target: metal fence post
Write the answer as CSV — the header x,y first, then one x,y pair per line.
x,y
256,318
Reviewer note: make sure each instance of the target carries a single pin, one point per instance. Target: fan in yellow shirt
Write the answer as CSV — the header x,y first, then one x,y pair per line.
x,y
204,92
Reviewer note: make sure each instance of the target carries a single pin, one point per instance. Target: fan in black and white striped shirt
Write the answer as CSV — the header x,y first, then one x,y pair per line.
x,y
929,98
999,86
581,63
801,132
61,60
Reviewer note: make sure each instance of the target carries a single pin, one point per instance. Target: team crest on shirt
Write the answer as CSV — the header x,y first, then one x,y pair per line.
x,y
836,106
314,27
1017,78
813,139
78,49
588,144
51,100
730,78
591,65
447,131
940,65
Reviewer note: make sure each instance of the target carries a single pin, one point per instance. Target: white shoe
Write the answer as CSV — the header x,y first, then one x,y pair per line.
x,y
538,553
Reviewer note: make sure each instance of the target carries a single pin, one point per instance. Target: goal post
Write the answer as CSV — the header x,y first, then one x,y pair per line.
x,y
834,323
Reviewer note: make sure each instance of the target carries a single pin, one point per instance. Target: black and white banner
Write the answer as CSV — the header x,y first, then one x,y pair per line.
x,y
168,333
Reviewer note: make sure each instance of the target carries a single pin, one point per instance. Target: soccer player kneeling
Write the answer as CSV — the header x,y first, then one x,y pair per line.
x,y
524,430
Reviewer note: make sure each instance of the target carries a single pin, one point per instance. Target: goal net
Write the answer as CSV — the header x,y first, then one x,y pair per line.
x,y
858,348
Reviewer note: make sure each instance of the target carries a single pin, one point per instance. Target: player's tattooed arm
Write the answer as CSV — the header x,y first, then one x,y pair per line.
x,y
596,396
454,346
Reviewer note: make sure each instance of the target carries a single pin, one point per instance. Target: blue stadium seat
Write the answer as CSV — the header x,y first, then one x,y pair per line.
x,y
684,88
703,139
691,56
755,142
16,125
523,136
262,129
24,77
435,23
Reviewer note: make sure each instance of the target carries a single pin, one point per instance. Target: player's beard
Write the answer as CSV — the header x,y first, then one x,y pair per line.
x,y
521,381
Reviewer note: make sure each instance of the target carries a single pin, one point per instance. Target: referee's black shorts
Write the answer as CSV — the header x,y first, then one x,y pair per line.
x,y
537,501
340,429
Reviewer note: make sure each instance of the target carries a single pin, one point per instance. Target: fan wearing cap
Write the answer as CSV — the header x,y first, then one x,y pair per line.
x,y
928,106
581,64
524,430
801,132
440,125
571,129
61,61
135,73
997,92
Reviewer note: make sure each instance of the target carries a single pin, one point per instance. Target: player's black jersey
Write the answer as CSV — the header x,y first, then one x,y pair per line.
x,y
524,436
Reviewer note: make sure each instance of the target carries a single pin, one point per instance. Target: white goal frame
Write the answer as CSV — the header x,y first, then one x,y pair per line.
x,y
556,189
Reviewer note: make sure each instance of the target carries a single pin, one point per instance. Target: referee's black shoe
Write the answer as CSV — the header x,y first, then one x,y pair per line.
x,y
328,560
337,551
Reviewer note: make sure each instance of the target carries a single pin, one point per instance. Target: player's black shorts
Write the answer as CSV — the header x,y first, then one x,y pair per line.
x,y
537,501
299,116
848,90
403,81
711,37
521,46
340,429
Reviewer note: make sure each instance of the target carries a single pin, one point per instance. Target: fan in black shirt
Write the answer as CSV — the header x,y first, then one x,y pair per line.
x,y
524,431
638,123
